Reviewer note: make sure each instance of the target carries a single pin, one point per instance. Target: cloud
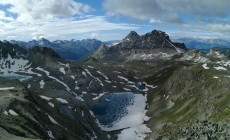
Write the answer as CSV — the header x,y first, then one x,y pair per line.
x,y
52,19
28,10
38,36
94,35
60,28
209,30
170,10
3,17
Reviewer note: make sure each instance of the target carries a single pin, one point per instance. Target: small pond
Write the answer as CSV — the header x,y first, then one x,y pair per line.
x,y
112,107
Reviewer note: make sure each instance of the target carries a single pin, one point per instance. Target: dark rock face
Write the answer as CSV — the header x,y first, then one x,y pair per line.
x,y
45,51
154,42
14,51
42,56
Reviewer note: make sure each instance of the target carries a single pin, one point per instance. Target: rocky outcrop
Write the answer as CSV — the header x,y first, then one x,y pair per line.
x,y
155,44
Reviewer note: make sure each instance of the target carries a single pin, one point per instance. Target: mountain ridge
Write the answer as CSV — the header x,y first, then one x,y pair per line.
x,y
155,44
65,99
68,49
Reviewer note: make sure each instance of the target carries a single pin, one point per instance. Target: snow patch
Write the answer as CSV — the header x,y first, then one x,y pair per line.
x,y
134,133
100,95
45,97
6,88
13,65
83,73
82,113
28,86
50,134
90,66
123,78
5,112
96,78
62,70
126,89
51,104
12,112
108,81
52,119
62,100
59,81
42,83
205,66
220,68
103,75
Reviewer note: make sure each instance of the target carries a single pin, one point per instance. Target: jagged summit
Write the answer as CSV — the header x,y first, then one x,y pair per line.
x,y
132,36
133,46
157,33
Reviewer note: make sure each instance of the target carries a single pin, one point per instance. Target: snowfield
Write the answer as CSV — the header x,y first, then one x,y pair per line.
x,y
134,133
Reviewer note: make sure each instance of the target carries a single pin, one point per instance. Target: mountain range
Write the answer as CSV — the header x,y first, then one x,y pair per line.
x,y
198,43
145,87
73,49
81,49
155,44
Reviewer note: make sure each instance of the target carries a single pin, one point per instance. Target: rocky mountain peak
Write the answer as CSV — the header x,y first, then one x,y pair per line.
x,y
159,34
132,36
43,40
149,46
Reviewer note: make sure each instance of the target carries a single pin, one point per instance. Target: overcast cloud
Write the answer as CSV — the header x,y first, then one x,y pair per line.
x,y
169,10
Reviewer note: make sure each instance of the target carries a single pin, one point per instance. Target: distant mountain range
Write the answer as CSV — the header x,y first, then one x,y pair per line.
x,y
80,49
73,49
204,43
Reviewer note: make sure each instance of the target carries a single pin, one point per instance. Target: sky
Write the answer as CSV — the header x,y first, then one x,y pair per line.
x,y
112,19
